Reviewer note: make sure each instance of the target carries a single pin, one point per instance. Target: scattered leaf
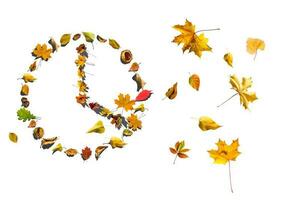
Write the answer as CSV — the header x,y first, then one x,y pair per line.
x,y
116,142
25,102
114,44
65,39
25,90
89,37
76,37
58,147
28,78
194,81
53,44
71,152
38,133
124,102
86,153
172,92
25,115
101,39
206,123
33,67
140,83
228,57
134,122
134,67
126,56
254,44
99,150
179,149
140,108
127,132
32,124
144,95
13,137
46,143
42,52
98,127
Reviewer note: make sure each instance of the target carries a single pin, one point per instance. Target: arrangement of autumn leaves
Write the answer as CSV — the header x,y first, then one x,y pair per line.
x,y
195,41
125,117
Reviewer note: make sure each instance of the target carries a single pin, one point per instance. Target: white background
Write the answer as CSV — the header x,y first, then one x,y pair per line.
x,y
143,169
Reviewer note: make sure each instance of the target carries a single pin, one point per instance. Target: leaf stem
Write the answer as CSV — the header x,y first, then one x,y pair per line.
x,y
227,100
212,29
175,159
230,177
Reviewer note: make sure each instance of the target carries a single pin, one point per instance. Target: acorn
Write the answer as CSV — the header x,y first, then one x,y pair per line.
x,y
38,133
126,56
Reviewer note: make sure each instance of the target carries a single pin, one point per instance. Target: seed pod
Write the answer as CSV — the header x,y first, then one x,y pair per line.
x,y
126,56
38,133
25,102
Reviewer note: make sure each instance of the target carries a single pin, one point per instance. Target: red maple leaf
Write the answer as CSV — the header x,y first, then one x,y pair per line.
x,y
86,153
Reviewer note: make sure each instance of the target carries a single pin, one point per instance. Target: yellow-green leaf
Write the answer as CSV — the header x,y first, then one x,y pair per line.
x,y
13,137
65,39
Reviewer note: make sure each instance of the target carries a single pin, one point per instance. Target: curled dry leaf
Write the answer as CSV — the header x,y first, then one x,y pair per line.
x,y
101,39
116,142
28,78
58,147
25,90
127,132
46,143
38,133
134,67
98,127
206,123
32,124
140,83
172,92
54,45
71,152
65,39
86,153
194,81
13,137
126,56
99,150
228,57
139,108
114,44
89,36
32,66
76,37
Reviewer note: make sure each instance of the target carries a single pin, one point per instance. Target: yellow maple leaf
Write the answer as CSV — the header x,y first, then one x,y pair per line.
x,y
190,40
242,89
42,52
134,122
225,153
116,142
125,102
80,62
254,44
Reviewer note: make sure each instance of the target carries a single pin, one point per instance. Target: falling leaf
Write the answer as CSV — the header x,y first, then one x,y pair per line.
x,y
53,44
206,123
58,147
25,90
42,52
246,97
38,133
101,39
114,44
82,86
32,124
194,81
65,39
28,78
140,108
32,67
89,37
225,153
134,67
116,142
25,115
190,40
134,122
71,152
98,127
127,132
140,83
86,153
99,150
81,99
179,150
80,61
228,57
76,37
119,120
25,102
254,44
144,95
46,143
124,101
126,56
13,137
172,92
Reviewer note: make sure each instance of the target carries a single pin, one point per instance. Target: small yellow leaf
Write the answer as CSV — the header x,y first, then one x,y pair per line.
x,y
113,43
116,142
13,137
65,39
194,81
228,57
25,90
28,78
58,147
89,36
172,92
206,123
253,44
98,127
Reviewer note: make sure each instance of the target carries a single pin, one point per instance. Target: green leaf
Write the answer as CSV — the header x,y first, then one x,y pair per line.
x,y
89,36
25,115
